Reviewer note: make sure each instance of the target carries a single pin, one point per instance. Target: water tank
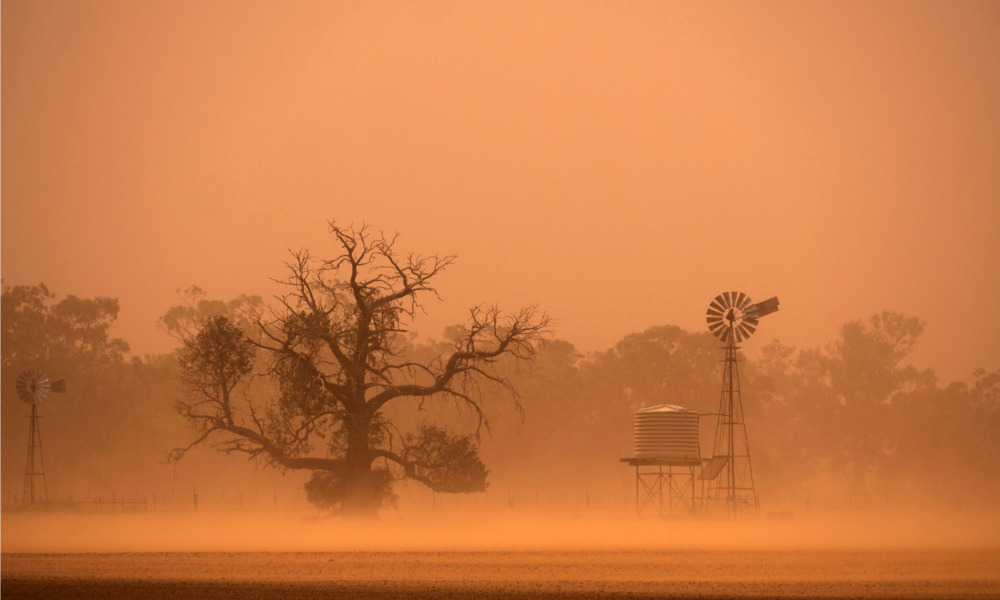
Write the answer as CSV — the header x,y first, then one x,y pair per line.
x,y
667,432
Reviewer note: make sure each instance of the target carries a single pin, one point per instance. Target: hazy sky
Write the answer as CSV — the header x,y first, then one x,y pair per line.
x,y
618,163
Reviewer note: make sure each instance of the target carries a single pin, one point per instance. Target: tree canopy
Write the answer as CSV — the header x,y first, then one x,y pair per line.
x,y
335,356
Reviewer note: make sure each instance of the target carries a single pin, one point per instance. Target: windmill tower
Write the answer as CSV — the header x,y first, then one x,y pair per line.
x,y
32,387
732,317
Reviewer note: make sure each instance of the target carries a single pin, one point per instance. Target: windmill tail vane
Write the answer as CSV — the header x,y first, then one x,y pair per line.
x,y
764,307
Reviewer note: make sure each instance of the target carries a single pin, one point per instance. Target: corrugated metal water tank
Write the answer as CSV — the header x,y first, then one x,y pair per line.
x,y
668,432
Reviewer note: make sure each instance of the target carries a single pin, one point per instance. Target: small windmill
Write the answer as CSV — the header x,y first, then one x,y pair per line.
x,y
732,317
33,386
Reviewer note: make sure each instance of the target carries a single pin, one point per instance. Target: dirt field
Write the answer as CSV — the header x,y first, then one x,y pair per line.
x,y
496,555
605,574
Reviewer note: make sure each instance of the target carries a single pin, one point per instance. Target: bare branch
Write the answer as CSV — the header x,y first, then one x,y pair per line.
x,y
336,352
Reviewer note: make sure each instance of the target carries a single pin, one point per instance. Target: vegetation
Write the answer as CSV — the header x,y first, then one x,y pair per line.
x,y
117,409
851,418
851,415
336,357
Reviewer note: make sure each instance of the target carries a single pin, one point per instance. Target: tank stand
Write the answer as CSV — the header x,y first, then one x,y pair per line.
x,y
665,487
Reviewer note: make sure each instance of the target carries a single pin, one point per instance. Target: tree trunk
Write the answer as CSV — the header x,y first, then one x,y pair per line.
x,y
361,498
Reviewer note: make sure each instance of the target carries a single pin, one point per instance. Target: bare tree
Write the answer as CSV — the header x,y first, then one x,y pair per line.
x,y
336,353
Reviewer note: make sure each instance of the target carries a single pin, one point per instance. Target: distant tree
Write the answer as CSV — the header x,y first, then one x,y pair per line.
x,y
665,365
836,407
184,321
71,333
865,365
111,408
947,439
336,358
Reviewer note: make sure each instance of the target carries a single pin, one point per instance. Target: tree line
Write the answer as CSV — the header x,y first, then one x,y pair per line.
x,y
329,380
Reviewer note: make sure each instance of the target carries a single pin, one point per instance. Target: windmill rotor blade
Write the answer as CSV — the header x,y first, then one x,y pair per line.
x,y
740,299
32,386
733,316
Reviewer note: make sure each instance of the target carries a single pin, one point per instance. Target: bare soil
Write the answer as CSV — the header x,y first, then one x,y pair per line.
x,y
577,574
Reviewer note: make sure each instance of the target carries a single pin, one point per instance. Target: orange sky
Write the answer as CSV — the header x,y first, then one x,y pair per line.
x,y
617,163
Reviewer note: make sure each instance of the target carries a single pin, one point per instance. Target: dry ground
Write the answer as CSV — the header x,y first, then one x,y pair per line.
x,y
250,555
583,574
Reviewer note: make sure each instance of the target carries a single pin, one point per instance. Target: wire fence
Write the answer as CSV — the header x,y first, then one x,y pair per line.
x,y
172,501
415,498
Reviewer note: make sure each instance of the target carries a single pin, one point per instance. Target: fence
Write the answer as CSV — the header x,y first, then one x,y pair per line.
x,y
173,501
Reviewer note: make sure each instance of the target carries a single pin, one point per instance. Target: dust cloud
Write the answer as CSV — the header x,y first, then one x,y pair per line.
x,y
615,165
492,531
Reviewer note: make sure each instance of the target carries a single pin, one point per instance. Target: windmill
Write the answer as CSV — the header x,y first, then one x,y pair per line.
x,y
732,317
33,386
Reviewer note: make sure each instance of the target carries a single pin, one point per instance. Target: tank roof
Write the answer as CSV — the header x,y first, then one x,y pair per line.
x,y
664,408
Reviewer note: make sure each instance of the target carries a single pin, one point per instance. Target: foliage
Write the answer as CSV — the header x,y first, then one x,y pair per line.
x,y
853,412
337,358
36,330
212,364
443,461
113,406
184,321
329,488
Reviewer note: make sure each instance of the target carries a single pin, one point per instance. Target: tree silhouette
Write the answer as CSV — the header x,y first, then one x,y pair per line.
x,y
336,357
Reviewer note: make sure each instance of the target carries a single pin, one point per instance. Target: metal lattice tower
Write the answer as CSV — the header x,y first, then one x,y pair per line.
x,y
32,387
34,467
732,317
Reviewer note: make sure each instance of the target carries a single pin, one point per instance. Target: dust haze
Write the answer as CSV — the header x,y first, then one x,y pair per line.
x,y
180,178
496,531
